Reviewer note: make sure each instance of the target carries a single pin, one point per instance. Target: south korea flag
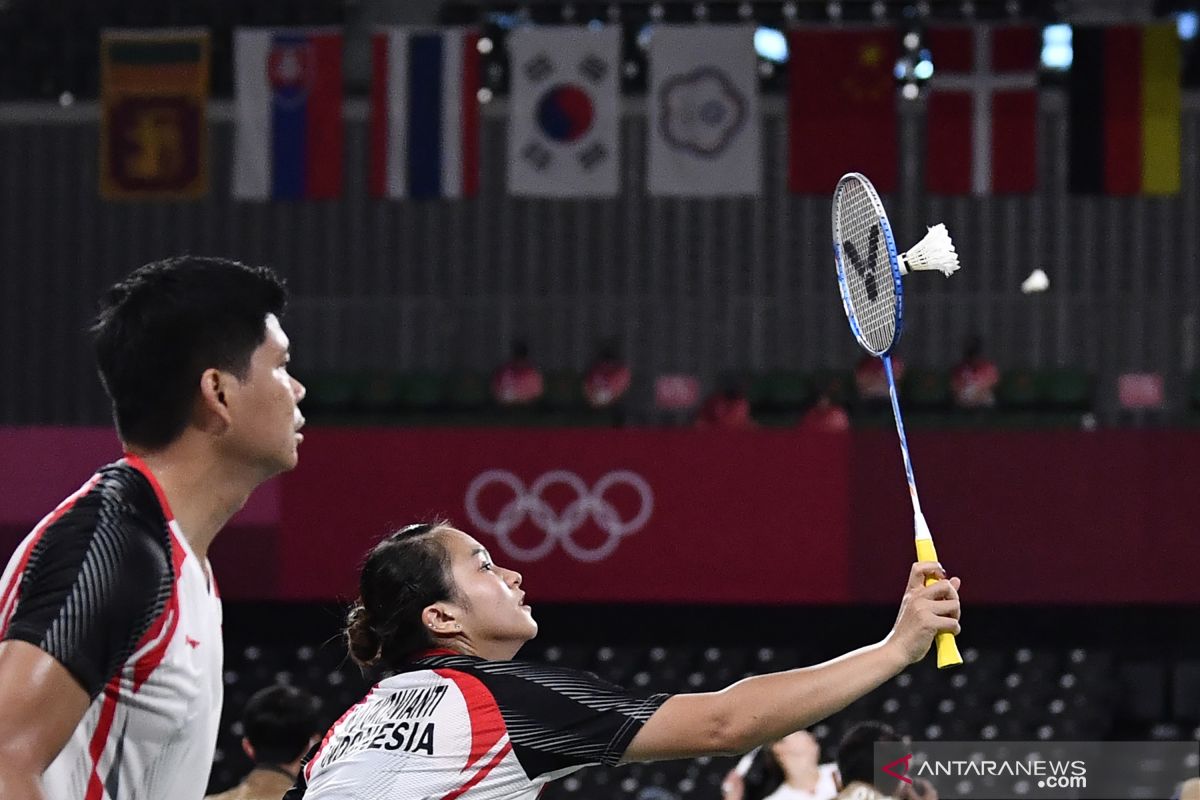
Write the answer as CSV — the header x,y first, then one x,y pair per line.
x,y
563,125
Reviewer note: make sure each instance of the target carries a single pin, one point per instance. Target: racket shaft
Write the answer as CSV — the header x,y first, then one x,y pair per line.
x,y
908,470
947,648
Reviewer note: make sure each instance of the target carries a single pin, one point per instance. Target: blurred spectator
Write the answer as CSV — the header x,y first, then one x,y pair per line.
x,y
870,381
280,726
825,416
973,381
728,409
517,382
857,777
607,379
788,769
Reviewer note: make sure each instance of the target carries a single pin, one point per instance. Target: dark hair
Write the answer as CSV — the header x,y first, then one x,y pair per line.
x,y
856,753
280,722
403,574
161,327
765,775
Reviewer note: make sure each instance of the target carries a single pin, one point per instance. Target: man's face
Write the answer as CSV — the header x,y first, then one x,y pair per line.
x,y
265,418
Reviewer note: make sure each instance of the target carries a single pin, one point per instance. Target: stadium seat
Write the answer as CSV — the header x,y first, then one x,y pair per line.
x,y
1068,389
926,390
839,383
1185,691
422,392
379,393
329,394
1018,390
1192,397
779,396
467,392
1143,691
563,391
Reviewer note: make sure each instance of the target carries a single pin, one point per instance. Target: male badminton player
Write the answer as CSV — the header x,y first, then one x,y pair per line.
x,y
110,621
458,717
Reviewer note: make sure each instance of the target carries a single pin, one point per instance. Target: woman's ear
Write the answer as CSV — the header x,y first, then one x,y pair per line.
x,y
440,620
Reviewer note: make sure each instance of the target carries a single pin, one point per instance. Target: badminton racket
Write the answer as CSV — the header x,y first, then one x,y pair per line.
x,y
868,271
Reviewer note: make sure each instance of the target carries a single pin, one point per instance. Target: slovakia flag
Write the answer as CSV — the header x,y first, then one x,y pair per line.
x,y
288,99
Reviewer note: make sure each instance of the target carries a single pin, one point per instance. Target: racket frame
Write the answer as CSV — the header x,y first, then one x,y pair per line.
x,y
893,261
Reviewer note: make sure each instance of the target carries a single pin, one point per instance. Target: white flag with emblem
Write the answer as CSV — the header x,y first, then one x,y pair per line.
x,y
704,128
562,130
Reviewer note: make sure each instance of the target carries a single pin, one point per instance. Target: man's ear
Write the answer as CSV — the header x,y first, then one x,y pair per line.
x,y
216,388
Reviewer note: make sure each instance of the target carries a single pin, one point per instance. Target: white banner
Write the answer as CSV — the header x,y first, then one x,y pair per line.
x,y
704,127
562,131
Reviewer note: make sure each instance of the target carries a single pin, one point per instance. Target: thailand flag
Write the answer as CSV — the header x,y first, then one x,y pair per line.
x,y
288,102
424,124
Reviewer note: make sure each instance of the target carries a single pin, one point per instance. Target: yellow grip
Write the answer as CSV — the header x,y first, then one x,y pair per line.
x,y
947,648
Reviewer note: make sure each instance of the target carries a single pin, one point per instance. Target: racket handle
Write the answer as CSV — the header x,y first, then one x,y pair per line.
x,y
947,648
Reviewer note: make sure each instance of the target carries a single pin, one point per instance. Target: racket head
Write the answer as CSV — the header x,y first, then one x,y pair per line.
x,y
868,268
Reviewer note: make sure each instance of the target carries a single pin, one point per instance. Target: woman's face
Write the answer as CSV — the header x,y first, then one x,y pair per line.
x,y
799,746
491,608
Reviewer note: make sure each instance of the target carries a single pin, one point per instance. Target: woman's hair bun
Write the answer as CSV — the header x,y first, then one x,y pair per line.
x,y
361,638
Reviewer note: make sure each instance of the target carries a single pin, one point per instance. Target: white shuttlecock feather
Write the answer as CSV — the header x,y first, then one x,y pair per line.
x,y
1036,282
934,252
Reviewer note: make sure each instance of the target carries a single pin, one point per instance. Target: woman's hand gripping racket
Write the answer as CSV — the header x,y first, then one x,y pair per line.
x,y
868,271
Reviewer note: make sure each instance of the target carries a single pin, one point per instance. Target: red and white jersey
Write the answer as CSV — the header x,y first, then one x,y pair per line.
x,y
455,726
107,585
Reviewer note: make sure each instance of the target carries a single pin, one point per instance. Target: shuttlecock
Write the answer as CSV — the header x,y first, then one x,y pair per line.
x,y
934,252
1036,282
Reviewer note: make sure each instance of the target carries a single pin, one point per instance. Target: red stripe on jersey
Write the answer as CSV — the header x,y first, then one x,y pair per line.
x,y
144,667
108,712
482,773
8,599
140,466
487,726
329,734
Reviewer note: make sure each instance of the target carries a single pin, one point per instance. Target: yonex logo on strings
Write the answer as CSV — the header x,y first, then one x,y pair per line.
x,y
559,527
867,272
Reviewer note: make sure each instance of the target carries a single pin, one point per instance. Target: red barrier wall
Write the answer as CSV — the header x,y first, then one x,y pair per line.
x,y
686,516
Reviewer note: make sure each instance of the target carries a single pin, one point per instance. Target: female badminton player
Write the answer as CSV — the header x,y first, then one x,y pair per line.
x,y
457,717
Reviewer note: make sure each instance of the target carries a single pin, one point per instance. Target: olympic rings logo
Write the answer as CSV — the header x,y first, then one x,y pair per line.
x,y
559,527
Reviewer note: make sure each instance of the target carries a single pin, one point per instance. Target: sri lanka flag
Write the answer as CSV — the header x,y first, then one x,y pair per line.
x,y
424,119
288,104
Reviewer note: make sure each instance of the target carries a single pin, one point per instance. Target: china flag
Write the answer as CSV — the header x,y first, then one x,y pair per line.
x,y
842,107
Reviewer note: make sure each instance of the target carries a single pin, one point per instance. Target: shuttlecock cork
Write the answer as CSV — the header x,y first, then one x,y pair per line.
x,y
1036,282
934,252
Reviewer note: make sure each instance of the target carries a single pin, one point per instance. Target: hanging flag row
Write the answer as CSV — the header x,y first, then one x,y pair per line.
x,y
703,127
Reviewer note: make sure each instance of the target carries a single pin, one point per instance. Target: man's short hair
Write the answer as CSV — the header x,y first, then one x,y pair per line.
x,y
856,752
279,722
159,330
